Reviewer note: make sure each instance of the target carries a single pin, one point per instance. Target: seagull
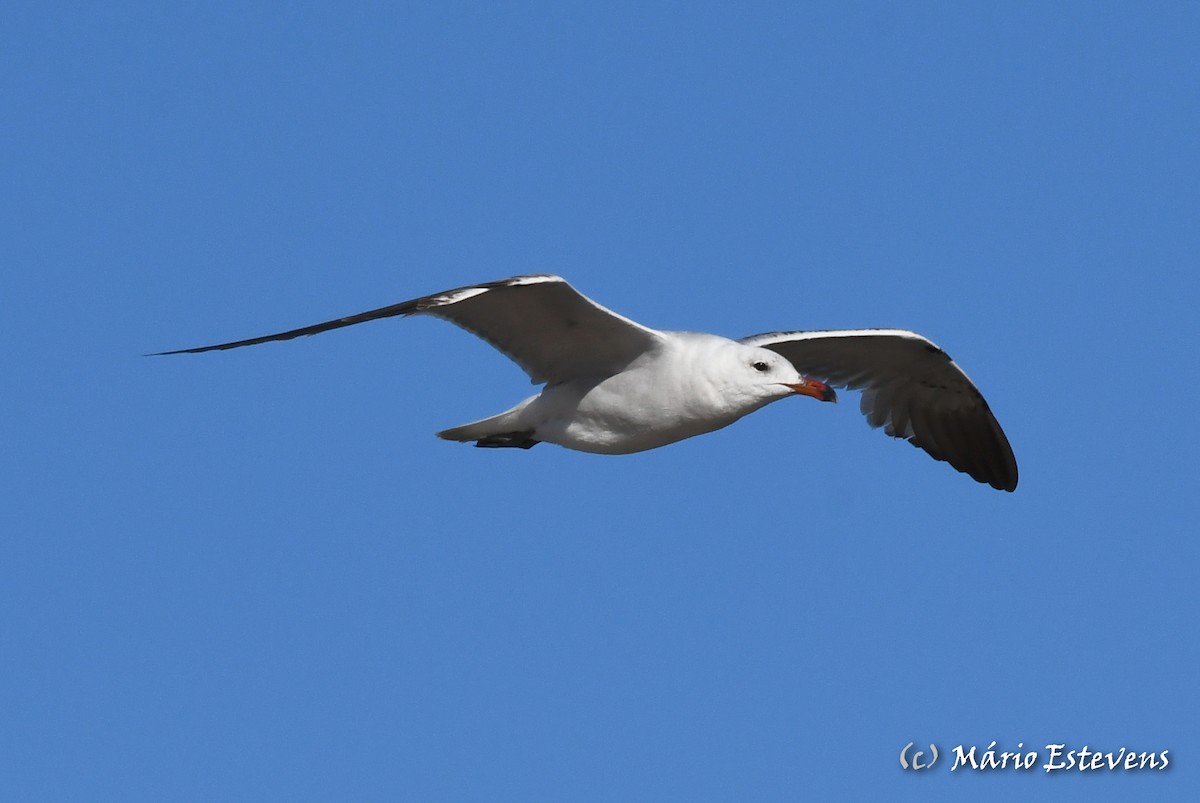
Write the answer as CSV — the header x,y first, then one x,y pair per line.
x,y
613,386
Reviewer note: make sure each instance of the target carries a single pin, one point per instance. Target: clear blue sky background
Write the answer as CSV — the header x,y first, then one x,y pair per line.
x,y
257,574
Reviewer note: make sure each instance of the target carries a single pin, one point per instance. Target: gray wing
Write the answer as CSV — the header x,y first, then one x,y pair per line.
x,y
912,389
539,322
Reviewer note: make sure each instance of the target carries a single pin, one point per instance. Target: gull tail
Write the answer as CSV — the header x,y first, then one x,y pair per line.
x,y
499,431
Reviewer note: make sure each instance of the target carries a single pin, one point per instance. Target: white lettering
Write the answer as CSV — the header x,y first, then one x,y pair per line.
x,y
961,759
989,758
1055,752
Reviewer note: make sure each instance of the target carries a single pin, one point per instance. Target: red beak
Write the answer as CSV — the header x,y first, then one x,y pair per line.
x,y
811,387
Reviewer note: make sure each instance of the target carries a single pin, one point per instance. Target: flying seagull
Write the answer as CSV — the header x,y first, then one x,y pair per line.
x,y
613,386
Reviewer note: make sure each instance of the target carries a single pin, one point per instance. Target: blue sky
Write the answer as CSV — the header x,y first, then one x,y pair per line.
x,y
257,575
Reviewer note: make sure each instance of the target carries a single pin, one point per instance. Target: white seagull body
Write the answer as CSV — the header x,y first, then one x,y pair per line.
x,y
613,386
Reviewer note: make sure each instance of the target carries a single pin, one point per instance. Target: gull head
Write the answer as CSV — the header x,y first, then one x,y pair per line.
x,y
762,376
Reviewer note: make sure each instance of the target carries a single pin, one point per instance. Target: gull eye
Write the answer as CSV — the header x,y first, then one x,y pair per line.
x,y
759,366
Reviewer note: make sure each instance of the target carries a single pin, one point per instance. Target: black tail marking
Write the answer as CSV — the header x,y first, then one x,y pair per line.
x,y
509,440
